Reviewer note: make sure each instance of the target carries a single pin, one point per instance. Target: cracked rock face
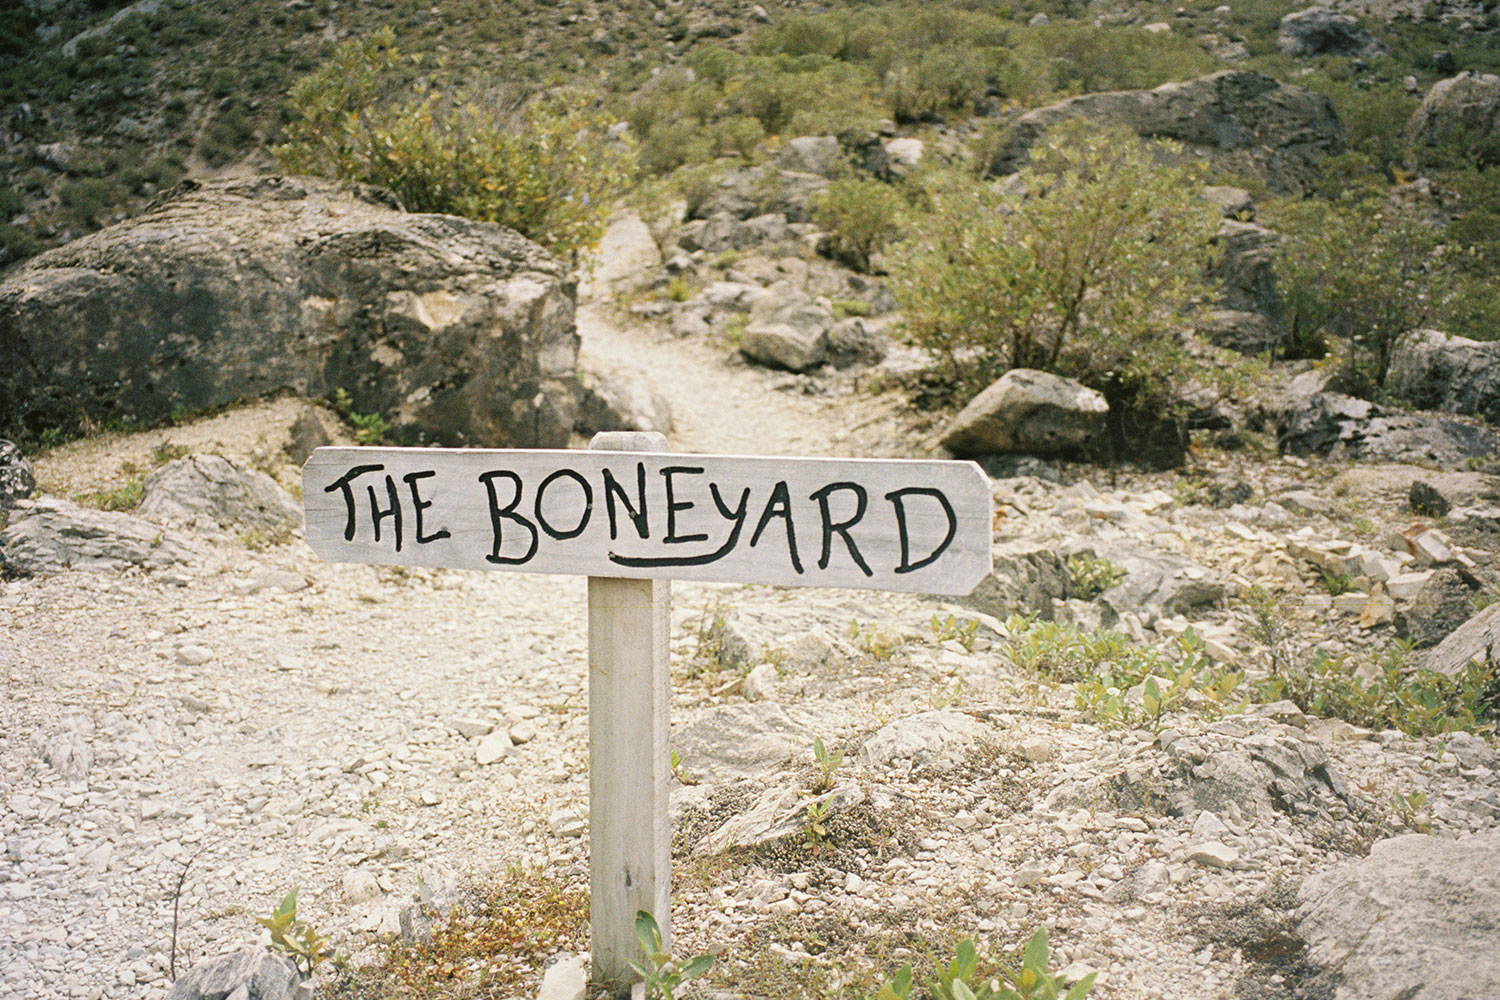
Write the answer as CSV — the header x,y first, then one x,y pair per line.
x,y
1416,919
457,332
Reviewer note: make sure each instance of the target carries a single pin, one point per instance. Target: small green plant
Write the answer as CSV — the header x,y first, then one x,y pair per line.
x,y
261,539
1091,576
369,428
862,217
734,328
844,308
898,987
678,771
1336,583
814,823
878,642
300,941
678,290
1409,809
828,764
663,974
962,632
1391,696
168,452
125,497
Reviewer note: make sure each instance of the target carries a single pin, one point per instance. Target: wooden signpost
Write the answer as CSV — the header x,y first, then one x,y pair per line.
x,y
632,517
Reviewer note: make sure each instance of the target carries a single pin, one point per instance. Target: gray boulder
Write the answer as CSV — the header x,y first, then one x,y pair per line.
x,y
1027,411
1340,426
733,742
777,816
1416,919
813,154
749,636
1443,604
927,741
202,489
1318,31
1027,577
1157,583
1241,121
1434,371
457,332
788,331
613,402
744,192
1250,317
49,535
1231,202
1463,109
1477,639
17,481
249,973
854,342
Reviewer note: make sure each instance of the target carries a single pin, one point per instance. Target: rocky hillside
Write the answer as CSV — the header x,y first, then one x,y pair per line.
x,y
1220,724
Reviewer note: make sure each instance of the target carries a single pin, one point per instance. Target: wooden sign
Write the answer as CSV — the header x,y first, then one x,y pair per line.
x,y
920,526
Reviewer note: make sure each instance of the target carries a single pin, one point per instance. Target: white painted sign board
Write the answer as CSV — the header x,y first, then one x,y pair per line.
x,y
631,517
877,524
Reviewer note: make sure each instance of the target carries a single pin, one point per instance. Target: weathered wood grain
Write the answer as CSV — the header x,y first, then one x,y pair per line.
x,y
878,524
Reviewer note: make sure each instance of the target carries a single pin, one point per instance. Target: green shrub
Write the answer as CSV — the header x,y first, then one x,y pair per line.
x,y
1087,276
548,170
862,217
1360,271
1392,696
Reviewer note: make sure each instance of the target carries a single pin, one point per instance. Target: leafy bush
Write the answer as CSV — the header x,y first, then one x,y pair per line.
x,y
969,977
1091,576
547,170
862,217
1358,270
1086,276
1391,696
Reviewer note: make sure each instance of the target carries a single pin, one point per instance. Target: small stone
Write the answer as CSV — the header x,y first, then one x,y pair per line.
x,y
523,732
496,746
567,823
360,887
566,978
470,728
1213,854
1028,875
1426,501
1037,749
194,656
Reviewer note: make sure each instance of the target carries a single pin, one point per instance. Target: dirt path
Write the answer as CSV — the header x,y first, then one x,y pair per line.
x,y
722,404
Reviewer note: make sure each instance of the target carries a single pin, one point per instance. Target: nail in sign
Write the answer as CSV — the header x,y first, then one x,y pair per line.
x,y
876,524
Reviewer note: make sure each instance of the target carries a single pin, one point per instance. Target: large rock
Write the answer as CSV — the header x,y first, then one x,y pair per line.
x,y
1027,577
1243,122
936,740
1318,31
1434,371
457,332
814,154
249,973
1027,411
1477,639
613,401
1461,110
734,742
788,331
17,481
1443,604
51,535
1250,317
744,192
209,488
1340,426
1418,919
1159,583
